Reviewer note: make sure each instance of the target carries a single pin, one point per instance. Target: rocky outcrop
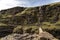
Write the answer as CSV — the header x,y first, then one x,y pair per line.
x,y
27,36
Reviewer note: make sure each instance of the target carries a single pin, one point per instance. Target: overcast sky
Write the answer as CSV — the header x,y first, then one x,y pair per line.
x,y
4,4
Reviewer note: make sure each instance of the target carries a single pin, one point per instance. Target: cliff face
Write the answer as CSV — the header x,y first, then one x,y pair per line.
x,y
48,16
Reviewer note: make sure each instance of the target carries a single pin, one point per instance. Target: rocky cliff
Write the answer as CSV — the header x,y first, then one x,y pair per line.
x,y
47,16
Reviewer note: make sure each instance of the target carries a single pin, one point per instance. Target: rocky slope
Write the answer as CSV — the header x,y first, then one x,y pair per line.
x,y
27,36
47,16
47,13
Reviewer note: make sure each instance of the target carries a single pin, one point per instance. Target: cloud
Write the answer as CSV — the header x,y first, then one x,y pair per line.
x,y
29,3
4,4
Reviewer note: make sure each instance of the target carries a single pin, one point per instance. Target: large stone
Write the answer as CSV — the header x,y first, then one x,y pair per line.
x,y
25,36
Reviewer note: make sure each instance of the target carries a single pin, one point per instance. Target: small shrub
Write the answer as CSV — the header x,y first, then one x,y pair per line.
x,y
18,29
